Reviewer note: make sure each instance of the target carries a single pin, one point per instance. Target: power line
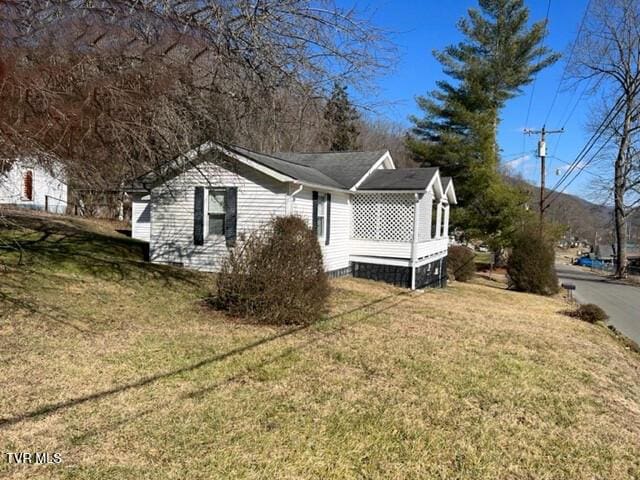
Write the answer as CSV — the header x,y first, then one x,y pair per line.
x,y
585,165
592,140
585,150
569,163
609,119
564,70
560,83
535,78
562,79
542,153
575,106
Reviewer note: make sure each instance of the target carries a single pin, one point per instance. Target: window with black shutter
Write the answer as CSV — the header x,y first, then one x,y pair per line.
x,y
327,238
231,216
216,211
198,216
215,214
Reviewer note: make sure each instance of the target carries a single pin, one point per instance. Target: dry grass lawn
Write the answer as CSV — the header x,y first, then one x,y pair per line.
x,y
119,366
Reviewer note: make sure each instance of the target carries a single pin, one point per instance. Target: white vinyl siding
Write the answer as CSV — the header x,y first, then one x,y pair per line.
x,y
336,254
141,218
44,183
424,217
260,198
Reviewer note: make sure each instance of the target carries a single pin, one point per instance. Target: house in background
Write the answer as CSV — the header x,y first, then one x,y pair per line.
x,y
28,183
372,220
604,252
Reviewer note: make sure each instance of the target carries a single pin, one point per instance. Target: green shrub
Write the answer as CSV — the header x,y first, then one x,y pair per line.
x,y
276,276
530,267
591,313
460,263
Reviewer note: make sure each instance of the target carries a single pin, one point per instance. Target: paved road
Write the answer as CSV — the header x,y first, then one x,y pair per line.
x,y
621,302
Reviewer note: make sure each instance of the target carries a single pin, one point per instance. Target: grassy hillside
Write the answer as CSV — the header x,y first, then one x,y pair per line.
x,y
120,367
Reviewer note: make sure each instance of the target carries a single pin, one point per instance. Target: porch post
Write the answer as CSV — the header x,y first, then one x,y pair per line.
x,y
429,215
414,242
439,220
446,220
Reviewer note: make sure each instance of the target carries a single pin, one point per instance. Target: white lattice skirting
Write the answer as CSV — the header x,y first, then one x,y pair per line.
x,y
383,217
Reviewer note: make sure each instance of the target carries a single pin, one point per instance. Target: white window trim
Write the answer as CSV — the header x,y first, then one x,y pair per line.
x,y
322,213
206,214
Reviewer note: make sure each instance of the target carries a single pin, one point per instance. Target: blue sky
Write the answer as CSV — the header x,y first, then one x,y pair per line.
x,y
419,27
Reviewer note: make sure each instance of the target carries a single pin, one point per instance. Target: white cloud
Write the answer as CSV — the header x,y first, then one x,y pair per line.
x,y
516,162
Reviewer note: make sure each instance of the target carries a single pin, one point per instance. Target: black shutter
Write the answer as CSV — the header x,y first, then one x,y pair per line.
x,y
314,218
231,215
327,227
198,216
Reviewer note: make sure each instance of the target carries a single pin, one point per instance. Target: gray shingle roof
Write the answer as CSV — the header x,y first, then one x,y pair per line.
x,y
346,168
299,172
341,170
401,179
604,251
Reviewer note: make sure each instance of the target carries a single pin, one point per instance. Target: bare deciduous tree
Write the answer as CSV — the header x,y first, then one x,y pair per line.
x,y
384,135
608,50
115,88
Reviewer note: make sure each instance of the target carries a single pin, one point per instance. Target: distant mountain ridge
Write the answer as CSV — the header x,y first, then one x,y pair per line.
x,y
584,218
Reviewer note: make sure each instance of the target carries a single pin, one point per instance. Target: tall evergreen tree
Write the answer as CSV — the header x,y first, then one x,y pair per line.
x,y
499,55
341,119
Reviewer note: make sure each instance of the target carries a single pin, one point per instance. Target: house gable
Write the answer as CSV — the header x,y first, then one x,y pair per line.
x,y
449,191
193,158
385,162
259,199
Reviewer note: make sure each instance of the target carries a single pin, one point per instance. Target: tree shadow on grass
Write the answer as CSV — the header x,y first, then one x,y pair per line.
x,y
40,256
32,308
46,242
56,407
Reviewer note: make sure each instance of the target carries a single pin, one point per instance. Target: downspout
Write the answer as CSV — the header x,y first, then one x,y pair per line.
x,y
289,207
414,243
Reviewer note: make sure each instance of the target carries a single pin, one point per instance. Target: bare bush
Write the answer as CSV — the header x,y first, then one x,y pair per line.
x,y
276,276
591,313
460,263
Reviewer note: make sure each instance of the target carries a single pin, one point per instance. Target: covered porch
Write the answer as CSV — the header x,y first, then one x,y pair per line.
x,y
403,235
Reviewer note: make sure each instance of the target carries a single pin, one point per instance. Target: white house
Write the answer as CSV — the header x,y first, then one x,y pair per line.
x,y
28,183
372,220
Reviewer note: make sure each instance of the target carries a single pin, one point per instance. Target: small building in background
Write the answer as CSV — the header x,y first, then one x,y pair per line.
x,y
28,183
604,252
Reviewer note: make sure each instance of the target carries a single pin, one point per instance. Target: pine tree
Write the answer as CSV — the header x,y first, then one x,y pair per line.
x,y
341,119
498,56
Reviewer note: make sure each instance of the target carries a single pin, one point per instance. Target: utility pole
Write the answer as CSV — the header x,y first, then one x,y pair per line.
x,y
542,153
